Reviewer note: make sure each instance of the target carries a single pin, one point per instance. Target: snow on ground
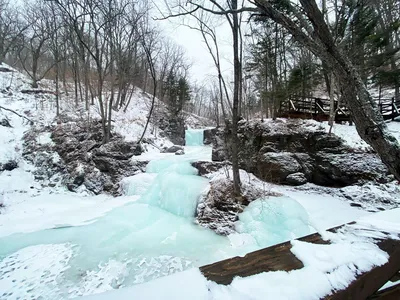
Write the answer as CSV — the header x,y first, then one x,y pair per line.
x,y
26,213
325,210
326,268
29,207
353,139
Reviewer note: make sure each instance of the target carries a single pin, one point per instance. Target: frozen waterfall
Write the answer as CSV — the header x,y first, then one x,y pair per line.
x,y
194,137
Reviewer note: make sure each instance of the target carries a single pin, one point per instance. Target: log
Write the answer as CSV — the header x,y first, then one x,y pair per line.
x,y
37,92
19,115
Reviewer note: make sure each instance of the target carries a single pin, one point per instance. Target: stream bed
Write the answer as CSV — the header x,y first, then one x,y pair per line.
x,y
152,237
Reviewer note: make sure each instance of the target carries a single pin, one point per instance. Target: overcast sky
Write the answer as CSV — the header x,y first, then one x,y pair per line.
x,y
191,40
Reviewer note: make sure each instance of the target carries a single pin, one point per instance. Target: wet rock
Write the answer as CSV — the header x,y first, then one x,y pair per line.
x,y
180,152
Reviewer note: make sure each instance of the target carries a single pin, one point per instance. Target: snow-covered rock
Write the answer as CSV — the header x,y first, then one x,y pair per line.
x,y
274,150
296,178
180,152
219,208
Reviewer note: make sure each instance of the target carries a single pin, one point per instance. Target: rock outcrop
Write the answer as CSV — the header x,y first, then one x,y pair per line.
x,y
292,152
9,165
75,156
219,208
174,128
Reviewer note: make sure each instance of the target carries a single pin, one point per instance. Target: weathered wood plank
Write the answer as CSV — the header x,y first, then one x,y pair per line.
x,y
396,277
280,258
391,293
368,283
274,258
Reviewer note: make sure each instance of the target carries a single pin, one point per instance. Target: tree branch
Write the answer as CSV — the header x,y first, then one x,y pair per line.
x,y
31,122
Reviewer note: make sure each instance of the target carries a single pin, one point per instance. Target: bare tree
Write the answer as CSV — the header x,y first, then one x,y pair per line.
x,y
12,28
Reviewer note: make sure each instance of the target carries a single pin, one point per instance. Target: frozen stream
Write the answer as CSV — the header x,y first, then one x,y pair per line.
x,y
152,237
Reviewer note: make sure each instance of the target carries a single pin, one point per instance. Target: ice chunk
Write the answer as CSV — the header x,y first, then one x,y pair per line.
x,y
273,220
176,193
137,184
194,137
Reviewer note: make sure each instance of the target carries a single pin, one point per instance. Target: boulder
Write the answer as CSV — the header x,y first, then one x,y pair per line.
x,y
9,166
180,152
207,167
219,208
296,179
347,169
277,166
172,149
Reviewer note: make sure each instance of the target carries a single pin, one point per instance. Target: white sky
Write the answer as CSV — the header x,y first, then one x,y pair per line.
x,y
191,40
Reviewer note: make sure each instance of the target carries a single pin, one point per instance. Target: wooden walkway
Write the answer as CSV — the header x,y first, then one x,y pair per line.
x,y
280,258
318,109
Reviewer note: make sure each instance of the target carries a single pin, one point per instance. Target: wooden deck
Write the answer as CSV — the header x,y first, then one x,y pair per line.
x,y
280,258
318,109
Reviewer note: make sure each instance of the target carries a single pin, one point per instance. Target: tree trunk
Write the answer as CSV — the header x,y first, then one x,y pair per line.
x,y
369,122
237,76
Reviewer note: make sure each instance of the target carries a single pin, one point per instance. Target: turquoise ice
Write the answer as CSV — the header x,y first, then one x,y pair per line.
x,y
194,137
273,220
152,237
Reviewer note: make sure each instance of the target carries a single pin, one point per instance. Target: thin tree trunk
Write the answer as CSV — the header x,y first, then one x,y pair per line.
x,y
237,76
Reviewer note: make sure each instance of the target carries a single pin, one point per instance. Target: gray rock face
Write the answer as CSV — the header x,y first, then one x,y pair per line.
x,y
77,157
279,151
209,136
174,129
99,167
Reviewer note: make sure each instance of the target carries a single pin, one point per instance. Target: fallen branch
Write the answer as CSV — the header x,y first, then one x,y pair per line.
x,y
37,92
30,121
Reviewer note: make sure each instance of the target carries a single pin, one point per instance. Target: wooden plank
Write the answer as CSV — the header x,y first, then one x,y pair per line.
x,y
274,258
368,283
391,293
396,277
280,258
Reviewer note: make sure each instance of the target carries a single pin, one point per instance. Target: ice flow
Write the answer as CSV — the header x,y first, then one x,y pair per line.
x,y
152,237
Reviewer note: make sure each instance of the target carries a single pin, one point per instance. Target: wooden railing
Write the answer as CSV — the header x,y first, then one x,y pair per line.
x,y
319,108
280,258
